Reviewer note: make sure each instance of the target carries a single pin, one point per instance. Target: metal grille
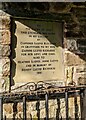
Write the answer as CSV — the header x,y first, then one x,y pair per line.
x,y
46,94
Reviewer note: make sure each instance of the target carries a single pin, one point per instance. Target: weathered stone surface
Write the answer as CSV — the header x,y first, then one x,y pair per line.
x,y
80,74
69,75
72,45
68,12
8,108
75,45
80,69
82,79
4,86
62,108
4,50
0,67
19,115
75,75
2,82
19,107
74,16
5,23
6,67
5,37
4,74
3,14
72,108
28,114
73,59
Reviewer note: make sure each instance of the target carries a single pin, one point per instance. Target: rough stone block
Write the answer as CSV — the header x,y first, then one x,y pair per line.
x,y
2,81
19,107
80,74
75,75
4,23
32,113
4,50
82,80
6,67
8,108
5,37
73,59
4,14
4,84
71,107
72,45
0,67
19,115
69,75
62,108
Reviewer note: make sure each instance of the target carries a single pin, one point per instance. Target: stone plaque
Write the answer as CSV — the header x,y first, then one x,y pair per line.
x,y
37,45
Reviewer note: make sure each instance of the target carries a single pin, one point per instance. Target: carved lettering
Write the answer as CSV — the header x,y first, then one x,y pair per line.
x,y
38,50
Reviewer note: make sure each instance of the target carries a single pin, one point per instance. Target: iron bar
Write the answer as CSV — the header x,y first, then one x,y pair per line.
x,y
76,107
81,104
1,108
38,109
47,95
33,97
14,110
24,108
5,117
66,105
46,105
58,109
84,104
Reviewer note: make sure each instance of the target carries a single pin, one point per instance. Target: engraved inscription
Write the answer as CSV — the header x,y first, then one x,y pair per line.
x,y
39,53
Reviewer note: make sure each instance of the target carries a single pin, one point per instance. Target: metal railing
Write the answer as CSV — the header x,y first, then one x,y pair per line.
x,y
50,93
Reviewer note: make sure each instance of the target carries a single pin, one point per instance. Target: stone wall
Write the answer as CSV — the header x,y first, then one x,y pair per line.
x,y
74,17
4,51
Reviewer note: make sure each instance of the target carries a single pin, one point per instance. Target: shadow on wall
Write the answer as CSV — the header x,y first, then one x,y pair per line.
x,y
13,53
